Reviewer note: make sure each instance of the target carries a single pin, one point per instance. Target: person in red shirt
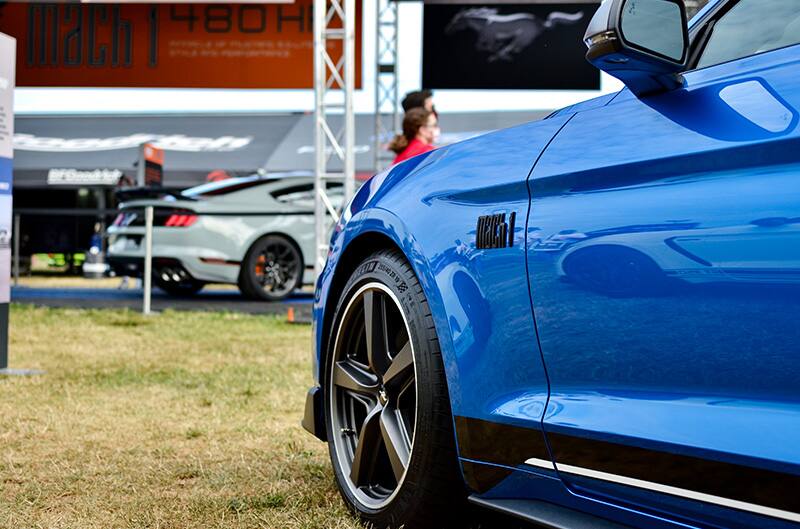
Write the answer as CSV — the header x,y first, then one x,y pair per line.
x,y
420,129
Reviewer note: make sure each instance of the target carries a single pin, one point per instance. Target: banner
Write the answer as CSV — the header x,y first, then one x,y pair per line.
x,y
151,166
475,45
7,54
167,45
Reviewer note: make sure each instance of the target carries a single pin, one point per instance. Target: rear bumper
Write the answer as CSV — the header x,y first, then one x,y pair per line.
x,y
134,266
313,420
126,266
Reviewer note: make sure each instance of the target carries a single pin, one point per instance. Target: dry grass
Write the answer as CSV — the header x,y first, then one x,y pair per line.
x,y
180,420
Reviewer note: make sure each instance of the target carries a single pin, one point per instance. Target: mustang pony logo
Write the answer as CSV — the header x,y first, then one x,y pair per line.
x,y
505,36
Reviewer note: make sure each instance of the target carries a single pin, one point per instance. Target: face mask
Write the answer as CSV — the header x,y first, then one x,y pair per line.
x,y
437,134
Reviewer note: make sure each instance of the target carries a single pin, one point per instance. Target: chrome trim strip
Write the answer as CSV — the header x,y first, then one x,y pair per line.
x,y
666,489
541,463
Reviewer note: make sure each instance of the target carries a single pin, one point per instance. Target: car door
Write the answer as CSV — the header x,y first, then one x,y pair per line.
x,y
665,276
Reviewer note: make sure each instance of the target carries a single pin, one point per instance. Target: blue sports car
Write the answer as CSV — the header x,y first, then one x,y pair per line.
x,y
592,320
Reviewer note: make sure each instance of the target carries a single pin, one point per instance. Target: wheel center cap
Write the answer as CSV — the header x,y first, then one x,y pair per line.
x,y
383,398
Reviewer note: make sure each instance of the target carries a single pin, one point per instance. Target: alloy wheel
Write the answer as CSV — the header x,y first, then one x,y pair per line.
x,y
373,395
277,268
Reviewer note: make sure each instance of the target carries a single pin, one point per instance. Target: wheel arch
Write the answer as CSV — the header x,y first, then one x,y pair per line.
x,y
370,236
358,249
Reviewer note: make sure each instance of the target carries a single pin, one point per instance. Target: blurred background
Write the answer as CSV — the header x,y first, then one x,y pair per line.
x,y
226,91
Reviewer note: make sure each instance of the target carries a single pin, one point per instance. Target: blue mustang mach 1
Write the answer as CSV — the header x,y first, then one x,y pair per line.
x,y
592,320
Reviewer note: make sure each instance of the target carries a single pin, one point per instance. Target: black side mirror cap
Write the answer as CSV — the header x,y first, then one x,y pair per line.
x,y
643,43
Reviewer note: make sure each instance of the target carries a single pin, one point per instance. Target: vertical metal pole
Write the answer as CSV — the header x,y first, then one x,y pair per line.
x,y
16,249
377,143
148,257
397,111
387,101
334,22
349,45
101,217
320,10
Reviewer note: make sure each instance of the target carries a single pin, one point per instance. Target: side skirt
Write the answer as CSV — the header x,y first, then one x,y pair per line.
x,y
546,514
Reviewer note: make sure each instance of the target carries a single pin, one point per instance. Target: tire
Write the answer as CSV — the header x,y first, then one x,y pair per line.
x,y
187,287
272,269
389,426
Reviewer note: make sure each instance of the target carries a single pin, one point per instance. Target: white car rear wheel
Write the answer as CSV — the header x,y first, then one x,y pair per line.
x,y
272,269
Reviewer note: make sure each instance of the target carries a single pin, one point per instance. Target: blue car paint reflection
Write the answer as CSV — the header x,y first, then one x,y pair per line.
x,y
648,305
479,298
700,309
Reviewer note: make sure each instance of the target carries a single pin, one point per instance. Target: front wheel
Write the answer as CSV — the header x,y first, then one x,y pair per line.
x,y
387,409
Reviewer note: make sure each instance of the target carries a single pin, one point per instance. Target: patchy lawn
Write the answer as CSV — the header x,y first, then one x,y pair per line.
x,y
179,420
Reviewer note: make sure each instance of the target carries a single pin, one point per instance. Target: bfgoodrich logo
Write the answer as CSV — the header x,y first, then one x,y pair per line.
x,y
92,177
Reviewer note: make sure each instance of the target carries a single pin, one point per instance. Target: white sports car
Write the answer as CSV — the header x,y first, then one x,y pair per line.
x,y
255,232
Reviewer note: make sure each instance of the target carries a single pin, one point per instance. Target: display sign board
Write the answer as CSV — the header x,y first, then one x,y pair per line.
x,y
7,54
166,45
475,45
151,166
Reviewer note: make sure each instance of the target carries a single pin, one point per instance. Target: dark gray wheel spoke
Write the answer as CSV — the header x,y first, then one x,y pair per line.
x,y
401,367
373,395
375,330
398,445
351,377
367,449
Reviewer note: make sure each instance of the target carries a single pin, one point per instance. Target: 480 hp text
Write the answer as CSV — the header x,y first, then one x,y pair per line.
x,y
78,35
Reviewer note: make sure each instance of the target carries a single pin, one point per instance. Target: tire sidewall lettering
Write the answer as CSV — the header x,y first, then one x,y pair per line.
x,y
372,270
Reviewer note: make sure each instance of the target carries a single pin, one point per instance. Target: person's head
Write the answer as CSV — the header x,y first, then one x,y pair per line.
x,y
428,132
418,99
417,123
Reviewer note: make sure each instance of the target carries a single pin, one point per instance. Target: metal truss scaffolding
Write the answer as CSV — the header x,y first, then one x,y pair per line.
x,y
387,116
334,127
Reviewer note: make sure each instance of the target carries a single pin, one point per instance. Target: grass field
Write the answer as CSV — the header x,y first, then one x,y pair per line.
x,y
179,420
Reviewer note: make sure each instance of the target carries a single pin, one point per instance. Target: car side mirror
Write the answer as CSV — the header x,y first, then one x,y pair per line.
x,y
643,43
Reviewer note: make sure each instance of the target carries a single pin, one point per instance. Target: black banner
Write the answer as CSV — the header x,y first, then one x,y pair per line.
x,y
510,46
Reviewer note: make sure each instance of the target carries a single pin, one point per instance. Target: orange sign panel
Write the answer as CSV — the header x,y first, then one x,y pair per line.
x,y
151,173
153,154
166,45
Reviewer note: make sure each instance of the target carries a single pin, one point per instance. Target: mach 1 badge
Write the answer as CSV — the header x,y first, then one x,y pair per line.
x,y
494,232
